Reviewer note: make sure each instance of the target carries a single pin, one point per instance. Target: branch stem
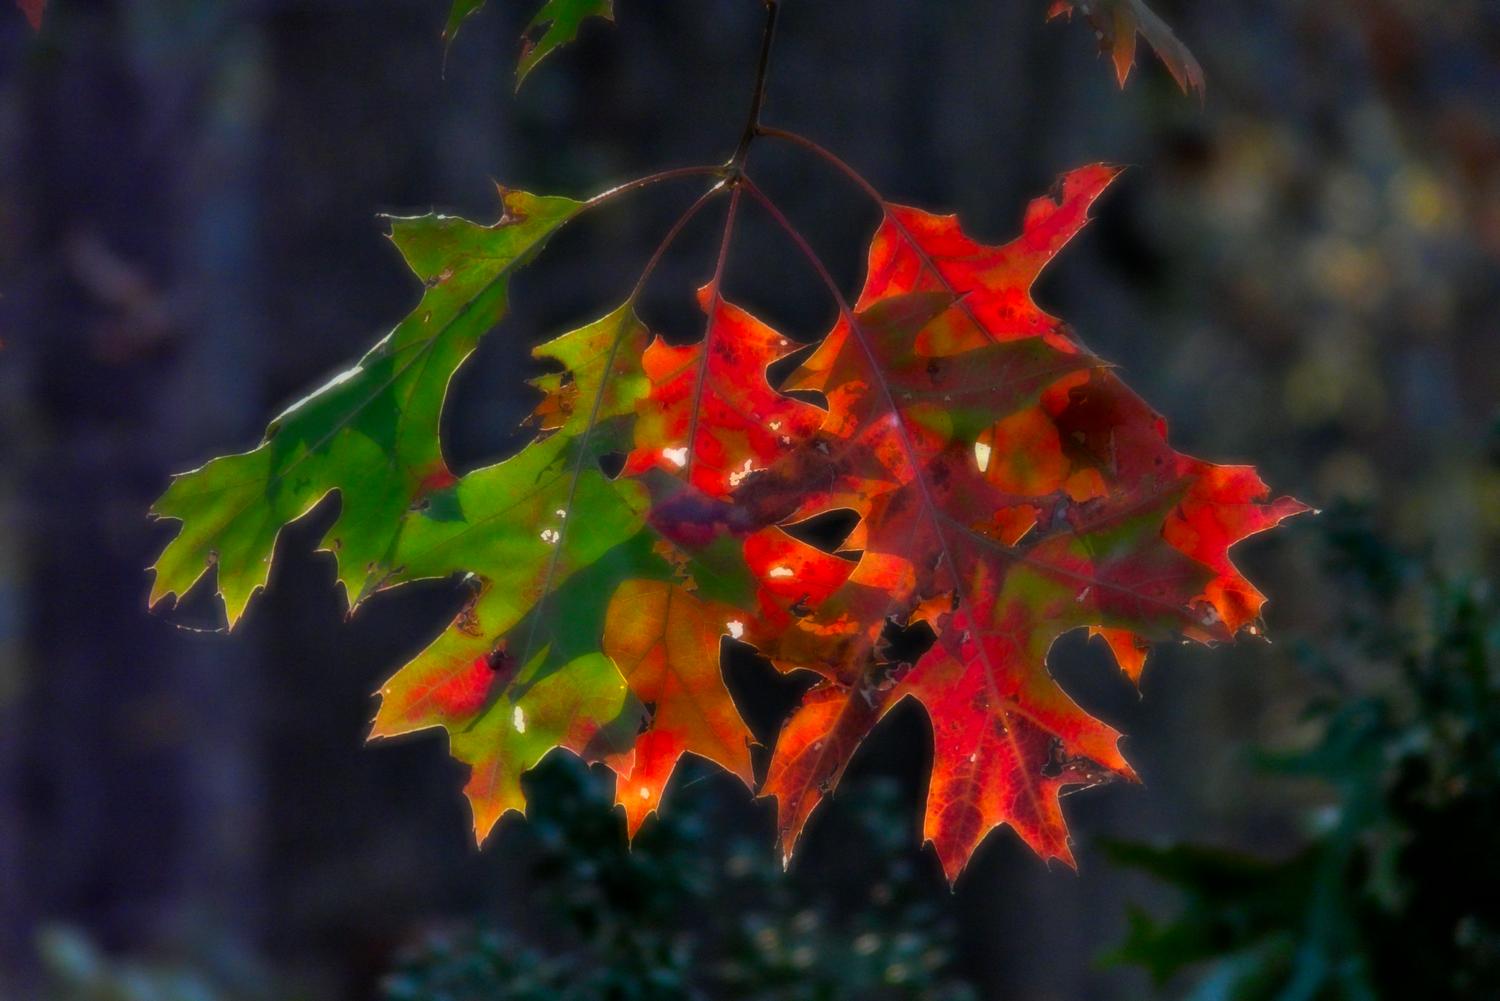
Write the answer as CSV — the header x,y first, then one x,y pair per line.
x,y
795,235
675,173
842,166
758,95
671,238
711,309
628,316
827,155
877,375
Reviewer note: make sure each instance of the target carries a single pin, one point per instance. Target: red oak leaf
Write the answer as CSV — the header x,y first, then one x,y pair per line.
x,y
1024,492
711,418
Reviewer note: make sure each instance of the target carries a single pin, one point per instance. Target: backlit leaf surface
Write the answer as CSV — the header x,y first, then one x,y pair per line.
x,y
999,483
666,643
1012,489
370,433
556,24
568,562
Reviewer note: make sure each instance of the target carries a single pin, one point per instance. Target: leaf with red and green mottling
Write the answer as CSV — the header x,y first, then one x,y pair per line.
x,y
582,705
556,24
666,642
33,10
501,720
542,586
568,562
1002,520
1116,23
370,433
917,251
486,525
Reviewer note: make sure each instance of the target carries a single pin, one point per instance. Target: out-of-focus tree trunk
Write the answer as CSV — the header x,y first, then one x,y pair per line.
x,y
128,759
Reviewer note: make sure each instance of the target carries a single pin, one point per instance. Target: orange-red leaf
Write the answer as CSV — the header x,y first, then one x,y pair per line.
x,y
665,642
711,418
812,751
1011,489
1129,650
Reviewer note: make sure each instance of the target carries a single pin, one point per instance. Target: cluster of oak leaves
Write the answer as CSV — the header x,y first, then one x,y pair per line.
x,y
1008,488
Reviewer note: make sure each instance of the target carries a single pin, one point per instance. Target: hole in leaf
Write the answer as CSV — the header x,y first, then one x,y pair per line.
x,y
812,396
611,464
905,644
826,531
1056,760
781,369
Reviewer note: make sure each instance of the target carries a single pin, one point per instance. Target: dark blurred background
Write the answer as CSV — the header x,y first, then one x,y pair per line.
x,y
1301,271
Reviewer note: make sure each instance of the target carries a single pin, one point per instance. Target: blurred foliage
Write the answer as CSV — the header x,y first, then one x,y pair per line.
x,y
689,914
78,970
1393,896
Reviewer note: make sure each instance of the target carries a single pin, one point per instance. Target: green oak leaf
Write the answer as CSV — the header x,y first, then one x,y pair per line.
x,y
554,26
370,433
459,13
